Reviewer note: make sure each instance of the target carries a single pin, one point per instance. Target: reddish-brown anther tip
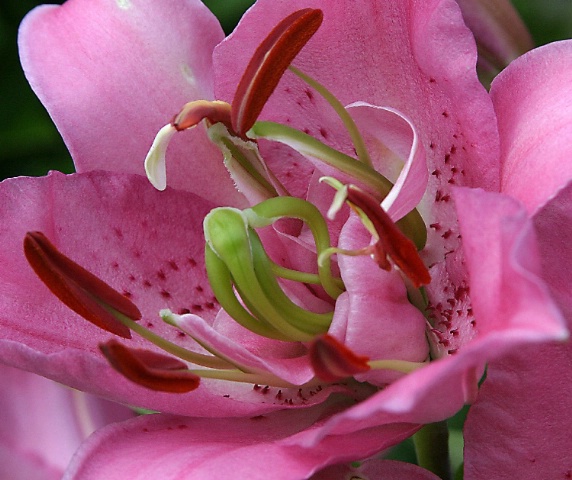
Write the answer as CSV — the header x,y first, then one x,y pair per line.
x,y
268,64
393,242
150,369
196,111
77,288
332,360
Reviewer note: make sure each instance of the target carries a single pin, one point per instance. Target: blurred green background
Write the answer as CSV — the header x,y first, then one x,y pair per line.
x,y
30,144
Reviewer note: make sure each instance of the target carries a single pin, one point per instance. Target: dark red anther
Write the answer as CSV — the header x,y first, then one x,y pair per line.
x,y
332,360
271,59
150,369
77,288
397,246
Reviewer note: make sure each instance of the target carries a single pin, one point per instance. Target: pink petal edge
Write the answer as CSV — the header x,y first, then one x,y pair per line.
x,y
129,66
533,103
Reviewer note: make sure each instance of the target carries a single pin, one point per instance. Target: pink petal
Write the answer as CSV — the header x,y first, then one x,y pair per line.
x,y
497,229
520,425
374,317
390,129
111,74
553,224
44,423
165,447
384,53
376,469
145,244
533,103
507,290
527,395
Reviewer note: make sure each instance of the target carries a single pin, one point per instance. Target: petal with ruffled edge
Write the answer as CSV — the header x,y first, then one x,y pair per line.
x,y
185,448
43,424
384,53
146,244
494,227
506,280
400,159
526,396
112,73
533,102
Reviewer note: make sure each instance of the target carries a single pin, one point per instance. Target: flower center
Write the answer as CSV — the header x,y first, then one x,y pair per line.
x,y
269,298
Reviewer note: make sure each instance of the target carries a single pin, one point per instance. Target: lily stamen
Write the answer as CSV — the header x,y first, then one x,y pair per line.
x,y
391,242
80,290
333,361
195,112
150,369
271,59
268,64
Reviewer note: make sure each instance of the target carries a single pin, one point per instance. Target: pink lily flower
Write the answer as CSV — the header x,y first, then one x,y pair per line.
x,y
44,423
414,106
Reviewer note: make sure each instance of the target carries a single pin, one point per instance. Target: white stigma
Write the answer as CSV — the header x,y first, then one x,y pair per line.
x,y
155,166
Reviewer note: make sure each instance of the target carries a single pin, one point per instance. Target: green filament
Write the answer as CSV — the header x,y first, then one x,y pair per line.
x,y
172,348
310,146
351,127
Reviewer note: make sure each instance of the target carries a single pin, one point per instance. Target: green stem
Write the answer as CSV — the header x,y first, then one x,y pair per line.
x,y
172,348
432,448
